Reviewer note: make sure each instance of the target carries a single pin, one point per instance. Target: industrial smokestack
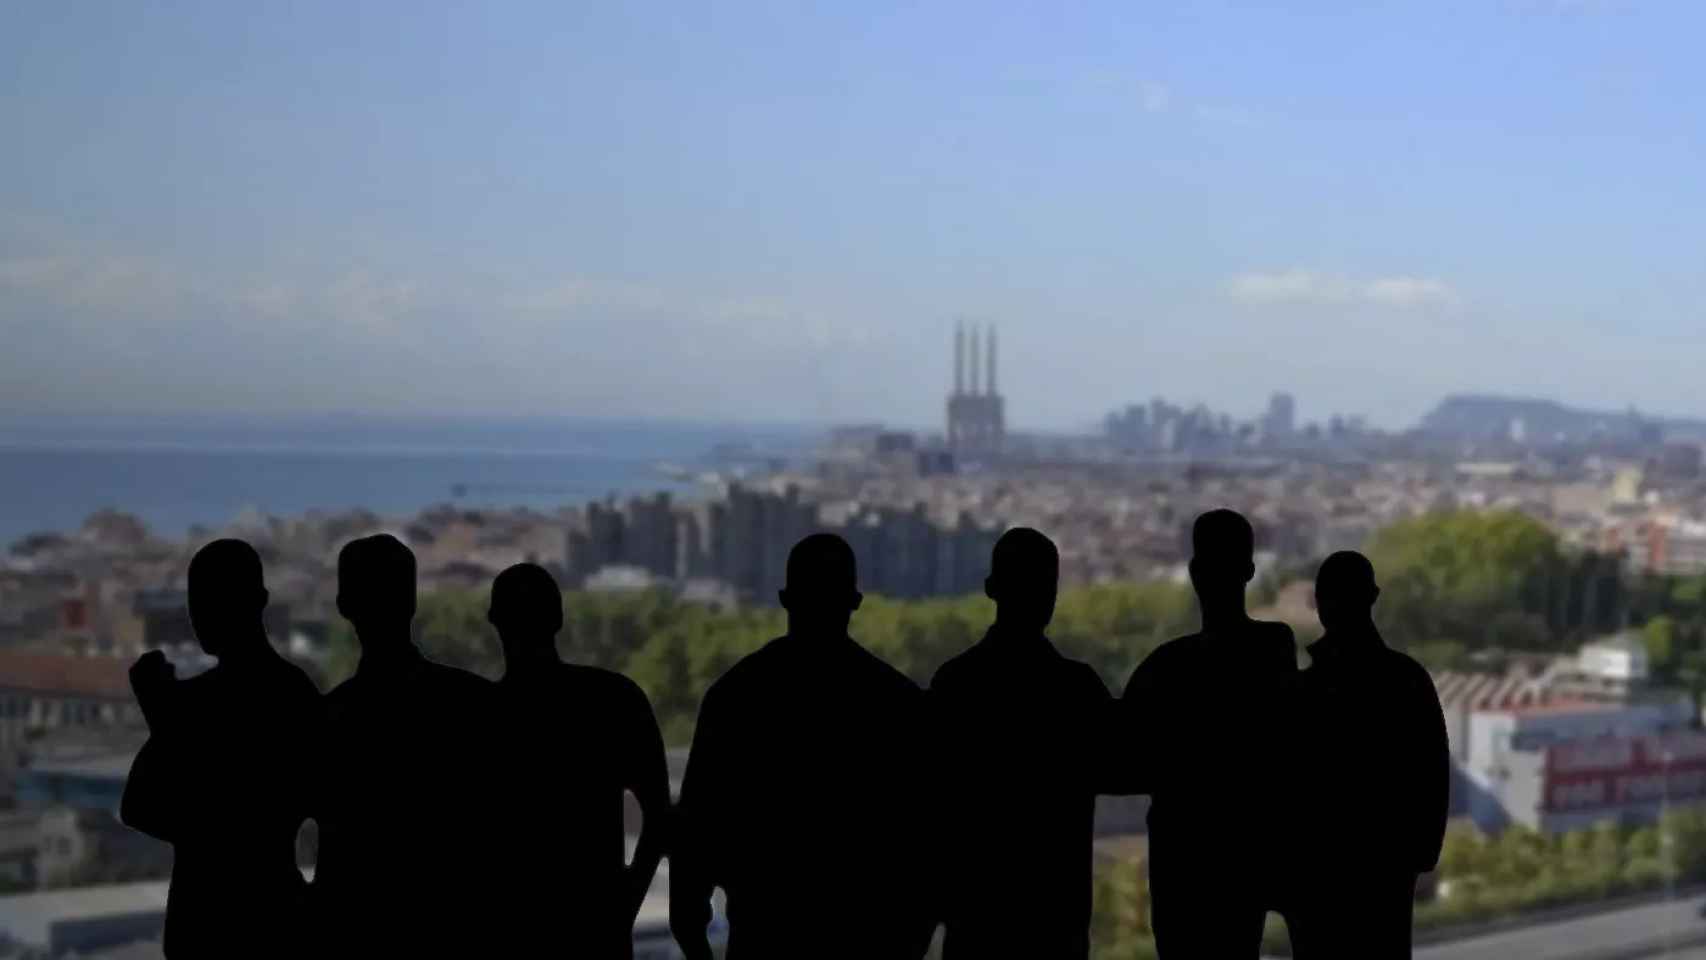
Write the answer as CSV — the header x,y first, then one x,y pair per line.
x,y
976,352
959,357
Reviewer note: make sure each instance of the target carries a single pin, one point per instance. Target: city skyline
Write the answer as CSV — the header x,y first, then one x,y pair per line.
x,y
102,428
770,214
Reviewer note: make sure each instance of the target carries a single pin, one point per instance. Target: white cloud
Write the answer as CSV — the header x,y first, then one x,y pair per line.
x,y
269,299
27,272
120,290
1289,286
1307,286
580,293
741,317
1154,97
376,304
1407,291
357,304
100,282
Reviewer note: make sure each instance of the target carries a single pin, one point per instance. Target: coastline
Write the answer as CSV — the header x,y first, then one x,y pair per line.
x,y
175,476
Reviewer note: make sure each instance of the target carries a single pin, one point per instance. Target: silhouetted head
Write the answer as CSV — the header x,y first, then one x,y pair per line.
x,y
376,584
1024,576
527,609
823,585
1223,551
226,596
1345,591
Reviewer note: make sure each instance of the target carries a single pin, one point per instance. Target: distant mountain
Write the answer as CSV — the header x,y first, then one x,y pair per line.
x,y
1534,420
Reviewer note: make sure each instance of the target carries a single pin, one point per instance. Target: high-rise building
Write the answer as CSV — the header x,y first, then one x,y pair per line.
x,y
1281,421
976,412
644,532
1128,429
742,540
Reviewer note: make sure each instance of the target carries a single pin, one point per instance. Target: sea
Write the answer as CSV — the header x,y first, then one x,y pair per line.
x,y
176,473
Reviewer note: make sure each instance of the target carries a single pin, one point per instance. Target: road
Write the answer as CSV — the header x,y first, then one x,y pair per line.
x,y
1642,931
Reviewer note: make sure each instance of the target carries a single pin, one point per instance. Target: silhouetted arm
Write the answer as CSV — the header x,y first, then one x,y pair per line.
x,y
1283,654
1433,767
324,766
692,866
307,754
149,790
147,803
153,681
1108,755
1132,739
939,837
647,777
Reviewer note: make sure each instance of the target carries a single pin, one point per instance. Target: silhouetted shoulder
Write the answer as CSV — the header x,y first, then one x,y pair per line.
x,y
346,688
607,686
457,680
340,693
880,679
883,674
1164,659
1187,647
203,684
1084,679
951,674
755,667
1412,674
1282,643
456,677
443,679
604,680
295,681
346,694
276,684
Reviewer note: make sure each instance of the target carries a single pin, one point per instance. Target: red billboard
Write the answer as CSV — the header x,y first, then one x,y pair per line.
x,y
1610,772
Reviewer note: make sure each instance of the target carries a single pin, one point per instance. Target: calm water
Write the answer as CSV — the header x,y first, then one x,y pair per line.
x,y
174,474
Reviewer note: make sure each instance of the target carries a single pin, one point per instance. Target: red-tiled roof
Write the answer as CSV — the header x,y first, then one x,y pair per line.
x,y
55,673
1486,691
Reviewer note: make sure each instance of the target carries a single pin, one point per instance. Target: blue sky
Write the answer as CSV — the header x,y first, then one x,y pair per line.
x,y
776,211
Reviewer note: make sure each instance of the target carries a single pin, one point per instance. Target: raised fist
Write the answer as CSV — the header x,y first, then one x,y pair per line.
x,y
150,676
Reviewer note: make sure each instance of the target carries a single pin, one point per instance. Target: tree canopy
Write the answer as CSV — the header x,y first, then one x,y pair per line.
x,y
674,649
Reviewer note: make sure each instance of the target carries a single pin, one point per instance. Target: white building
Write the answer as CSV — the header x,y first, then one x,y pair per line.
x,y
1561,744
1619,661
1526,764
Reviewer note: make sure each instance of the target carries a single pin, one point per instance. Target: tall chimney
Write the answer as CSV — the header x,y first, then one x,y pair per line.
x,y
989,385
976,352
959,357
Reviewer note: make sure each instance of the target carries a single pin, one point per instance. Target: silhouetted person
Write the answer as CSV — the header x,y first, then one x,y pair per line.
x,y
1200,712
574,738
1376,754
1020,727
224,776
406,811
801,798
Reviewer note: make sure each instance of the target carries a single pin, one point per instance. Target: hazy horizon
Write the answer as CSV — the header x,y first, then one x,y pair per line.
x,y
762,213
14,425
